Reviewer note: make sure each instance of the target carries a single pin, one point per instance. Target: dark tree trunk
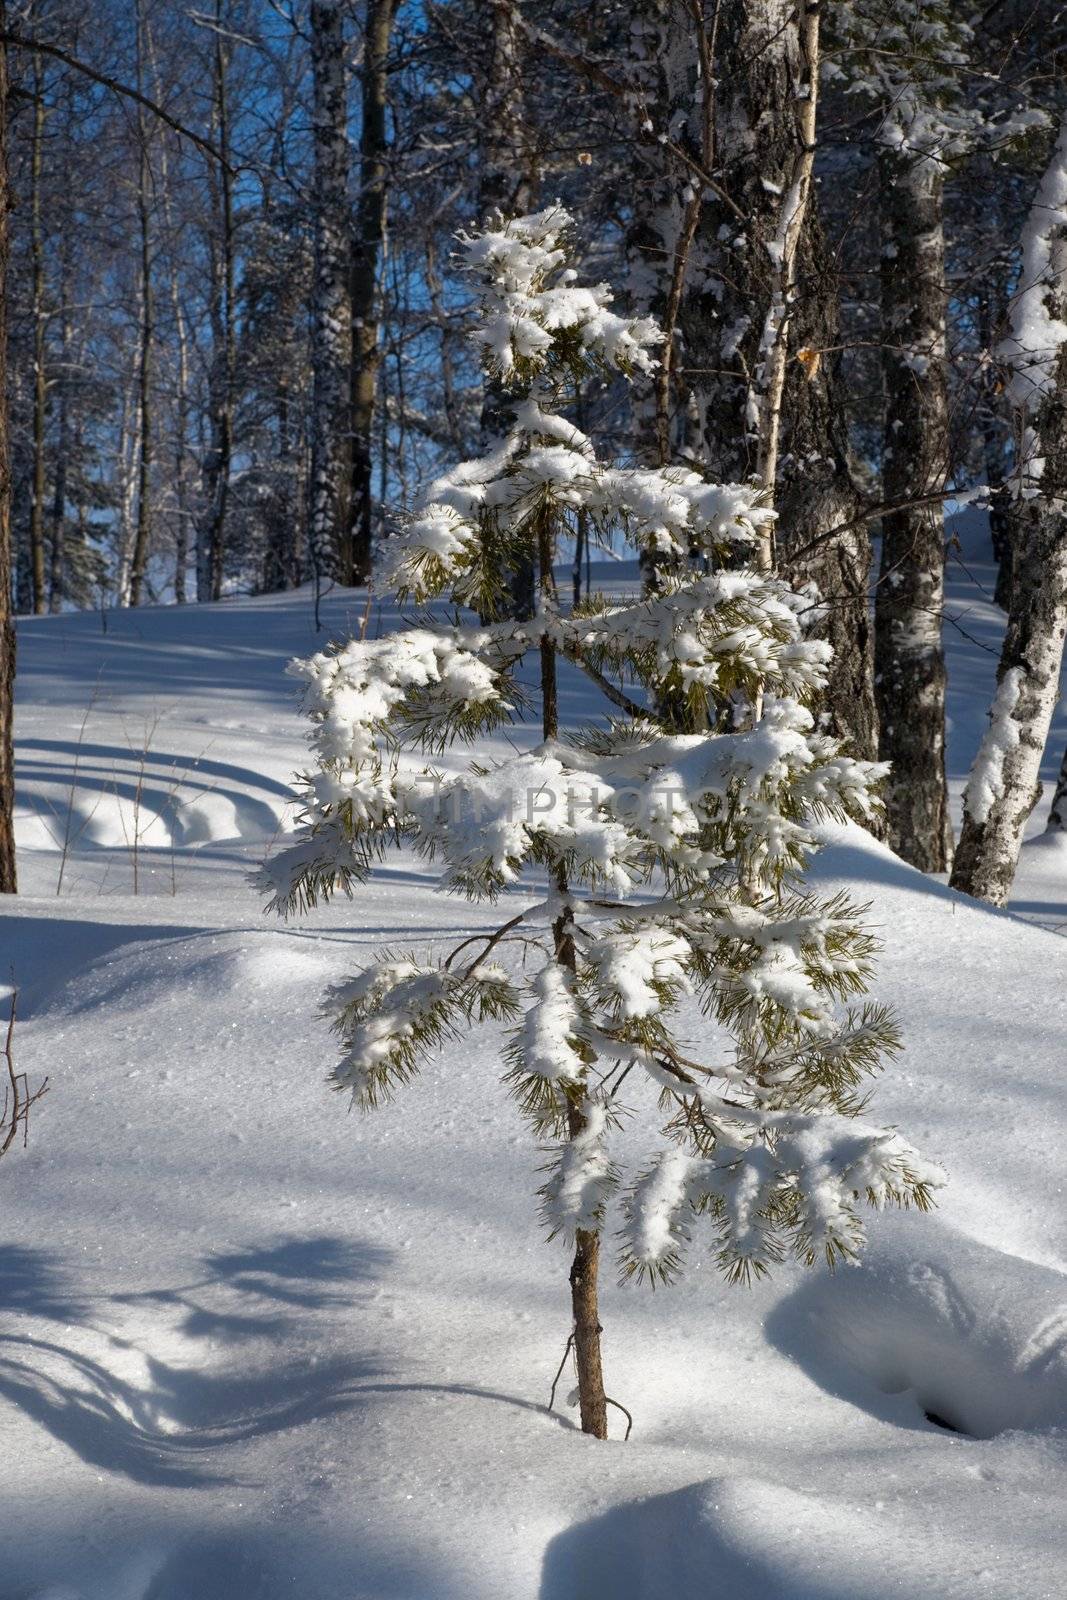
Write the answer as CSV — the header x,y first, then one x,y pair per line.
x,y
585,1306
507,186
368,243
1057,817
8,876
181,455
181,490
40,326
143,534
909,657
584,1274
211,552
331,311
280,566
816,494
746,286
994,435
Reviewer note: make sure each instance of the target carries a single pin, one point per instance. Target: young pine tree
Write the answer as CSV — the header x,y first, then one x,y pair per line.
x,y
665,867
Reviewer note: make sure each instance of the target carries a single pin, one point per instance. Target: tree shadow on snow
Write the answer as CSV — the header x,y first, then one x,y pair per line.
x,y
156,1558
256,1290
266,1567
164,1425
32,1281
46,952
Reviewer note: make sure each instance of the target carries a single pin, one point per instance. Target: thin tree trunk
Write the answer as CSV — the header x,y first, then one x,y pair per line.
x,y
994,434
1005,783
212,552
815,493
181,453
584,1272
128,454
508,183
585,1305
143,534
368,245
8,875
1057,817
435,290
581,543
181,338
784,251
40,324
667,71
909,656
331,312
63,433
279,560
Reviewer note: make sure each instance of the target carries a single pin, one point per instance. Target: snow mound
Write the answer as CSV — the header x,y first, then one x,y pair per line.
x,y
747,1538
188,968
111,805
1040,889
977,1336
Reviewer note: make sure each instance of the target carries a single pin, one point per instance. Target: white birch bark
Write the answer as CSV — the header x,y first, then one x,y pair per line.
x,y
1004,785
1005,782
126,484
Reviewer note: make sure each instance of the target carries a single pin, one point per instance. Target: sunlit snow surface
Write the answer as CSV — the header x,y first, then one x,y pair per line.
x,y
253,1346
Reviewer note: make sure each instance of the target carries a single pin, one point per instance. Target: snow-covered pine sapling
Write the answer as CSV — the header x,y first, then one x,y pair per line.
x,y
665,868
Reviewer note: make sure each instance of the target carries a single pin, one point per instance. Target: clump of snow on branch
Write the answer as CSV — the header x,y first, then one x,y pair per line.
x,y
532,301
582,1176
674,854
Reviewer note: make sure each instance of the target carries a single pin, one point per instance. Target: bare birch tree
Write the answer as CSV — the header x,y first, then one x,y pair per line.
x,y
1004,784
143,534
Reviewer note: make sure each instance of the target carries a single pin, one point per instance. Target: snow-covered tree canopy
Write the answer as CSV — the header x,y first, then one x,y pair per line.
x,y
665,867
920,62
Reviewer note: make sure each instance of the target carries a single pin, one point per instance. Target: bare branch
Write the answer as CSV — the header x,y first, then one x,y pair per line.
x,y
616,696
17,1096
25,42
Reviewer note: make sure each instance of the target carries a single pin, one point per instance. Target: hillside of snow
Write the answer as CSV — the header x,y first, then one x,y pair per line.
x,y
254,1346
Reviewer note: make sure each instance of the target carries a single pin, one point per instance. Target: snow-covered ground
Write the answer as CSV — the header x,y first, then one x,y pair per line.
x,y
253,1346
